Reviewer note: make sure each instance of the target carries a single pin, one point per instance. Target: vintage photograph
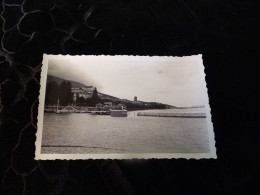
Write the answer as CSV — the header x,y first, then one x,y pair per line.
x,y
124,107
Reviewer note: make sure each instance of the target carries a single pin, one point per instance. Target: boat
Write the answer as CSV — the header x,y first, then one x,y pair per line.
x,y
49,110
57,108
67,109
77,111
118,111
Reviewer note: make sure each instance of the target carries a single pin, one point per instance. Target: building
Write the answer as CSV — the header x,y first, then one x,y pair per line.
x,y
121,106
136,101
108,103
99,105
88,89
80,92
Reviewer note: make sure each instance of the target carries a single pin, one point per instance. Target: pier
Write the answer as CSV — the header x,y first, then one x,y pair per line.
x,y
177,115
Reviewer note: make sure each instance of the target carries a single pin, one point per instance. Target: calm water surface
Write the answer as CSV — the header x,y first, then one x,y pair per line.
x,y
86,133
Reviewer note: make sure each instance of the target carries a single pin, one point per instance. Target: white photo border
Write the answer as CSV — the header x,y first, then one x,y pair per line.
x,y
40,156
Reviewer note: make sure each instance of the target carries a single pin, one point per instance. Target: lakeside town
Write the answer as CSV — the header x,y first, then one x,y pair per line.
x,y
64,96
75,96
102,107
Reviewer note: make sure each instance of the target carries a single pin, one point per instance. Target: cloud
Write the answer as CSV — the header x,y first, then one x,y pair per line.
x,y
68,70
170,80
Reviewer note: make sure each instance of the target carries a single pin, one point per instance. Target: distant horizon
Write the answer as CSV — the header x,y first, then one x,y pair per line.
x,y
176,81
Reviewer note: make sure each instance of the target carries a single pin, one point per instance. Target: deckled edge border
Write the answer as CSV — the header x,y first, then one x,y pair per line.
x,y
38,156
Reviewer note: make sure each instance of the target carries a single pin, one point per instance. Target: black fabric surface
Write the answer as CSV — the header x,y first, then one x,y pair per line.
x,y
226,33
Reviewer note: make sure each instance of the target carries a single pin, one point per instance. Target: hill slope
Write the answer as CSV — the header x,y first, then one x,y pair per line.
x,y
78,85
59,80
139,104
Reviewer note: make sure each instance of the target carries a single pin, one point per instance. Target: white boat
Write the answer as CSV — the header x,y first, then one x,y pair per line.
x,y
49,110
57,108
67,109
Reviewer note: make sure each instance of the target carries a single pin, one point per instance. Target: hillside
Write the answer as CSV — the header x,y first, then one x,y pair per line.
x,y
78,85
104,97
59,80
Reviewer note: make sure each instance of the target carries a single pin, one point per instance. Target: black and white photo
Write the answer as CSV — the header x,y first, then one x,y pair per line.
x,y
124,107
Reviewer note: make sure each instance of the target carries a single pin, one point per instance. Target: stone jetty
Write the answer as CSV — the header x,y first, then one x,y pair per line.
x,y
177,115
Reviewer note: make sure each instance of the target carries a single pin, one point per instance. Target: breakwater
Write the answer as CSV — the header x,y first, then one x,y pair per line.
x,y
177,115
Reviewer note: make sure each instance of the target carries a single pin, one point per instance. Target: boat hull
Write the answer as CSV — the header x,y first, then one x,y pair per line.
x,y
49,110
118,113
67,109
64,111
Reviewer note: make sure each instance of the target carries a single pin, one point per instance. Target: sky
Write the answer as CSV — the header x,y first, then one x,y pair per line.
x,y
177,81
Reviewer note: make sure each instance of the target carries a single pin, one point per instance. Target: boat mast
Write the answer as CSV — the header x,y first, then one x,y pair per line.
x,y
57,106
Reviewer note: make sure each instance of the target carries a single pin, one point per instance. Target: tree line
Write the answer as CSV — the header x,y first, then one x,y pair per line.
x,y
55,92
144,106
63,93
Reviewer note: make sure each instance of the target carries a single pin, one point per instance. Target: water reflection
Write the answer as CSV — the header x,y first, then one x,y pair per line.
x,y
86,133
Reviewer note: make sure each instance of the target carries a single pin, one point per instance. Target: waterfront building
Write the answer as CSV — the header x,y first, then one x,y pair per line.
x,y
108,103
136,101
78,92
121,106
88,89
85,92
99,105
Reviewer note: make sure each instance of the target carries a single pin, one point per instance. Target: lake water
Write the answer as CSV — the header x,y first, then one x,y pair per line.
x,y
85,133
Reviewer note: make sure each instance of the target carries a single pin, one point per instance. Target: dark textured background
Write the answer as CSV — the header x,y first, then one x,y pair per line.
x,y
225,32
